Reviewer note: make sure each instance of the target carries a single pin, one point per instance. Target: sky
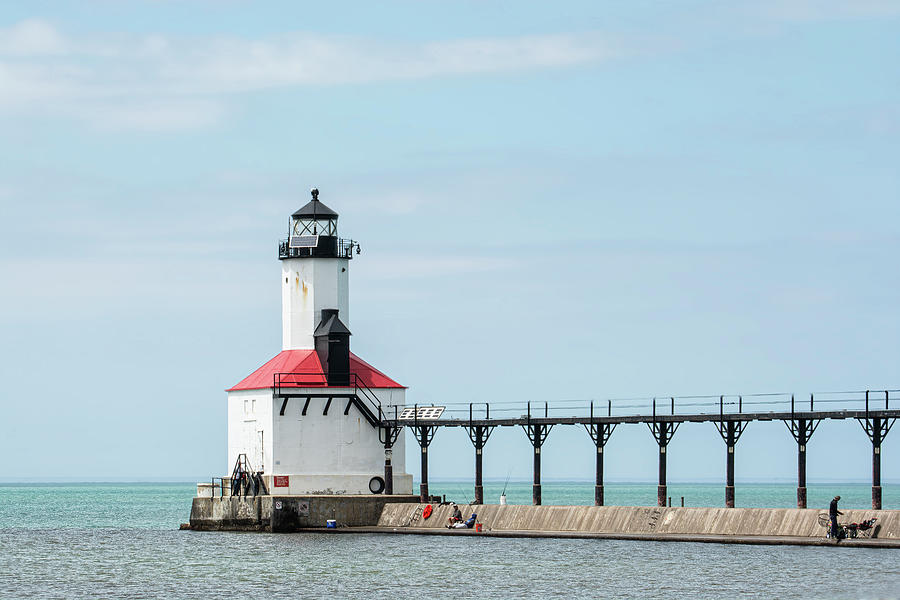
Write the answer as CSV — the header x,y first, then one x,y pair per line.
x,y
558,202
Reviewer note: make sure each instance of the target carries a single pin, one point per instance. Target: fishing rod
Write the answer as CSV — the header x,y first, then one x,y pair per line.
x,y
506,483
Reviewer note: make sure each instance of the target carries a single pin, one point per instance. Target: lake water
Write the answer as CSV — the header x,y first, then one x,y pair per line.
x,y
121,541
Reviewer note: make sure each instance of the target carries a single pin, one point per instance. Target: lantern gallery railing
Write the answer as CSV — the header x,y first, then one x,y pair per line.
x,y
325,246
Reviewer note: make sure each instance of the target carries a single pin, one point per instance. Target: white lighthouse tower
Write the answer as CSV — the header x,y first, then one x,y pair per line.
x,y
308,418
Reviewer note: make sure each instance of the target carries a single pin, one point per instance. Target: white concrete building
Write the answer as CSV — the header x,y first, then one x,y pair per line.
x,y
308,417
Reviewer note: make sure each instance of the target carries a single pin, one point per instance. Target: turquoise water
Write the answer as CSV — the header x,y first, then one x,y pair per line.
x,y
165,505
754,495
121,541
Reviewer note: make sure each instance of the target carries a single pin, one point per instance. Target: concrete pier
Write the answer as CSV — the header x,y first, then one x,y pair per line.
x,y
684,524
403,514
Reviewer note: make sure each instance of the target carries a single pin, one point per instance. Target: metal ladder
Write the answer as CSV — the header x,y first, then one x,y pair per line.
x,y
244,480
417,515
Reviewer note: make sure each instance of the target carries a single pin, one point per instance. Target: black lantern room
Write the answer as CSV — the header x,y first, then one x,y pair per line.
x,y
313,233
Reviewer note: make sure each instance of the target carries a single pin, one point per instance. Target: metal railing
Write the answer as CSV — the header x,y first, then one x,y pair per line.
x,y
244,480
298,379
362,393
329,247
693,405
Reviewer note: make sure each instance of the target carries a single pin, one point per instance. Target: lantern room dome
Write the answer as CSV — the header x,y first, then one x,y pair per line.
x,y
315,209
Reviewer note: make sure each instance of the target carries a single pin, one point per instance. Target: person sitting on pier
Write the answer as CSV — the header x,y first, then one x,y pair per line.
x,y
833,513
467,524
455,517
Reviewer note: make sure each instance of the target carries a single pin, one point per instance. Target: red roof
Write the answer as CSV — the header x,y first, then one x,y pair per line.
x,y
301,368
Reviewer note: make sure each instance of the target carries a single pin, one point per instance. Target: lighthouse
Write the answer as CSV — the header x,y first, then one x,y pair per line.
x,y
309,418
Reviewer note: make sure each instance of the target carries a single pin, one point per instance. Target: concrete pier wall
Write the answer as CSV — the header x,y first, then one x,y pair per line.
x,y
231,513
643,520
295,513
288,513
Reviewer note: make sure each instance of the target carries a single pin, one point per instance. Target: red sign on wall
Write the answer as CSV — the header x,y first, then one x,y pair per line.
x,y
281,481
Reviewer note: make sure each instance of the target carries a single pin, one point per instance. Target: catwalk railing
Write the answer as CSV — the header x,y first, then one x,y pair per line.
x,y
748,407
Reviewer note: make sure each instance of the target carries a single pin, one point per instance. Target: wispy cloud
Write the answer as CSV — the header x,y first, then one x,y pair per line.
x,y
822,10
31,37
157,82
151,115
435,265
163,82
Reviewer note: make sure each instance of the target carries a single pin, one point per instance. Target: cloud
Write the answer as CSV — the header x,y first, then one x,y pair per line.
x,y
153,115
821,10
31,37
433,265
169,82
306,59
85,287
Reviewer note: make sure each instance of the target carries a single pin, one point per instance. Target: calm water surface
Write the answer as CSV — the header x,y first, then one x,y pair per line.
x,y
120,541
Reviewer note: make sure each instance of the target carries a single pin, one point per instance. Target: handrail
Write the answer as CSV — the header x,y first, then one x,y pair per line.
x,y
368,394
244,480
367,399
341,248
316,378
312,378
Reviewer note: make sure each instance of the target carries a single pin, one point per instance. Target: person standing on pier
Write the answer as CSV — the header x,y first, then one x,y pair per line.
x,y
833,513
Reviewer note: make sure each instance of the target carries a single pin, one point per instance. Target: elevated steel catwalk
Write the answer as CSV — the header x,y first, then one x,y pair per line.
x,y
730,419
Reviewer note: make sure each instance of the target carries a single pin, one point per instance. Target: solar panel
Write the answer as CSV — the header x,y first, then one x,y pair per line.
x,y
304,241
423,412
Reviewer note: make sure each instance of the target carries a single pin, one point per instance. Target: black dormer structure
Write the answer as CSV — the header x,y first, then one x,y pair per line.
x,y
313,233
333,348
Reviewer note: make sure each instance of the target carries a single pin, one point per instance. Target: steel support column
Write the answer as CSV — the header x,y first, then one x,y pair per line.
x,y
599,433
424,434
662,432
730,431
802,429
388,471
479,434
877,429
537,435
388,436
